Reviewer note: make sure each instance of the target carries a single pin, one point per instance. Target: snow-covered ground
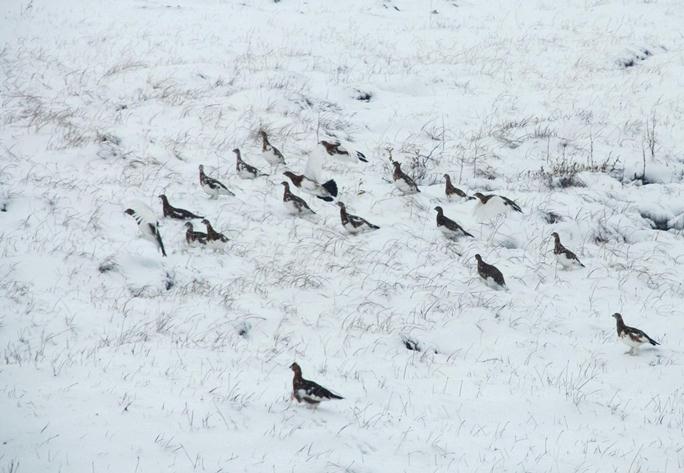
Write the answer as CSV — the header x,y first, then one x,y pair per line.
x,y
115,359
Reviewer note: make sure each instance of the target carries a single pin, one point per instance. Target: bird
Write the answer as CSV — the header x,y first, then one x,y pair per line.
x,y
336,149
192,236
632,337
308,391
404,183
491,275
326,191
294,204
213,235
353,223
244,170
211,186
565,257
271,154
497,200
449,228
453,192
148,229
173,212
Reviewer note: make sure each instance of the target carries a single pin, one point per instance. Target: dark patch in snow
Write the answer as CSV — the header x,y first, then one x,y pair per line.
x,y
107,266
657,223
243,329
410,344
635,57
169,282
363,96
552,217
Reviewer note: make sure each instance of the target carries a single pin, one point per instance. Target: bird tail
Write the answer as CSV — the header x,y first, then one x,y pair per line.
x,y
651,341
361,156
160,242
468,234
330,186
326,198
335,396
374,227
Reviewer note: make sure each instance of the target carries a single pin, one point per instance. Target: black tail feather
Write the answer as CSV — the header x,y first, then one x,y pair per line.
x,y
326,198
331,187
651,341
361,156
160,242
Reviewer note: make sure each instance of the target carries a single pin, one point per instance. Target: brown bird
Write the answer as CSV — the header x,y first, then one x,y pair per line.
x,y
326,191
244,170
490,273
213,235
173,212
565,257
632,337
453,192
448,227
353,223
403,182
336,149
308,391
192,236
271,154
493,199
294,204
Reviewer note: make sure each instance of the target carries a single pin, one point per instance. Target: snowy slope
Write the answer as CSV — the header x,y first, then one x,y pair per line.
x,y
115,359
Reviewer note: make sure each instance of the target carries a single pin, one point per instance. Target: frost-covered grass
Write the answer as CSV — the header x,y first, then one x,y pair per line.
x,y
114,359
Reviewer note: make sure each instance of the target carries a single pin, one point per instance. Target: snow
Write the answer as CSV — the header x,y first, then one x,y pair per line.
x,y
116,359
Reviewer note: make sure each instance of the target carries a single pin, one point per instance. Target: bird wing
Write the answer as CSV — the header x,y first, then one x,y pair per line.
x,y
314,167
317,392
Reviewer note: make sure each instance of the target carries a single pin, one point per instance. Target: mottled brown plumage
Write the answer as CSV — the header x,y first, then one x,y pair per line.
x,y
295,204
632,337
191,236
353,223
490,273
173,212
564,256
213,235
452,191
450,228
402,181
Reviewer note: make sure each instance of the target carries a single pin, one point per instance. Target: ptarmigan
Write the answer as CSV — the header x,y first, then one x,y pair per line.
x,y
174,212
326,191
192,237
244,170
403,182
490,273
271,154
308,391
294,204
566,258
211,186
335,148
148,229
353,223
497,202
452,192
632,337
213,235
448,227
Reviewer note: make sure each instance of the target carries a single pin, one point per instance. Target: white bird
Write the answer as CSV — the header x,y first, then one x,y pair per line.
x,y
148,227
211,186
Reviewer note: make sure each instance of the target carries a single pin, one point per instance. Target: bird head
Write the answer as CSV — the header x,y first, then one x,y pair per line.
x,y
288,174
479,195
129,211
284,183
188,225
205,221
439,209
162,197
396,165
446,176
478,257
617,316
236,151
555,235
201,168
295,367
340,204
